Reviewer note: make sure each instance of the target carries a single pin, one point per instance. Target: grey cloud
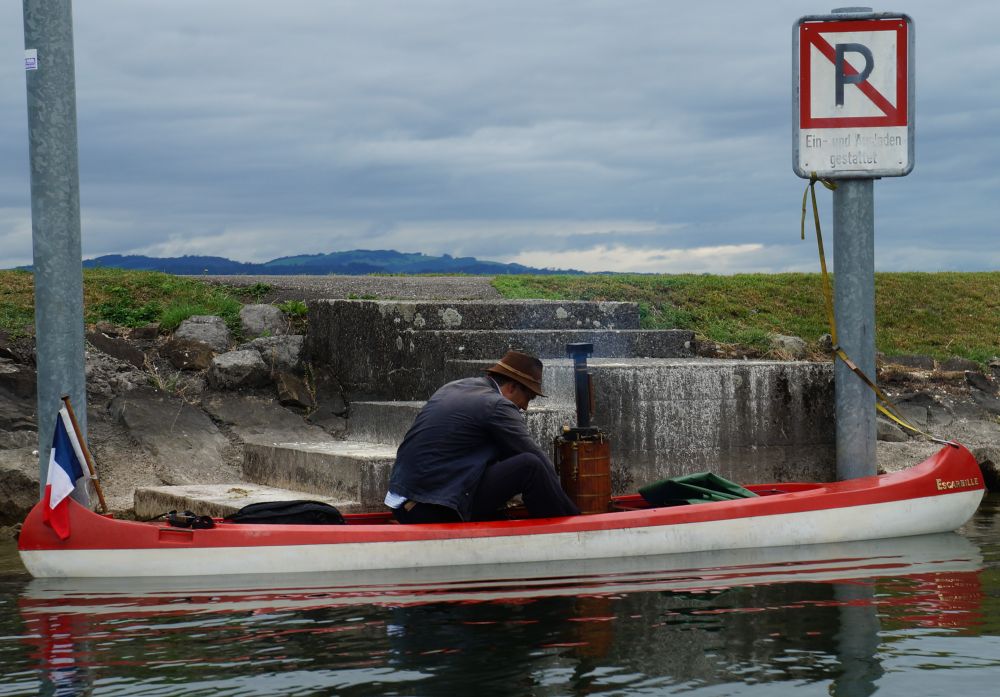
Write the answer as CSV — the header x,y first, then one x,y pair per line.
x,y
220,126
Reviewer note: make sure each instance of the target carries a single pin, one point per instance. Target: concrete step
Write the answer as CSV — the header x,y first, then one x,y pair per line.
x,y
346,470
220,500
356,316
415,364
355,470
388,422
395,349
381,422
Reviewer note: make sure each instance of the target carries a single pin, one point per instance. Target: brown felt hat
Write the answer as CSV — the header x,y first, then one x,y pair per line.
x,y
522,367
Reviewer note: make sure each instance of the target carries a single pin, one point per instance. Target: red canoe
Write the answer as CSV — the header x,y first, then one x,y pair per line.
x,y
938,495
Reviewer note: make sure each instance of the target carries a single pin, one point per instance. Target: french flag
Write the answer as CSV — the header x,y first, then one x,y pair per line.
x,y
65,469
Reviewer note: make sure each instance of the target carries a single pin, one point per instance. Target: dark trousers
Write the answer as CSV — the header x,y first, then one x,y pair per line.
x,y
524,474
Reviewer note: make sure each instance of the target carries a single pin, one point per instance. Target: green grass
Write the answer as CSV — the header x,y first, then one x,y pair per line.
x,y
294,308
937,314
17,296
123,298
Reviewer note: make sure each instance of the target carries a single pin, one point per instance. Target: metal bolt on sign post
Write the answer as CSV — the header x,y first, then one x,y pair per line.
x,y
853,122
55,215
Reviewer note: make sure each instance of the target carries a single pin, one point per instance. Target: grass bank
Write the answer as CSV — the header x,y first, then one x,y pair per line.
x,y
127,298
936,314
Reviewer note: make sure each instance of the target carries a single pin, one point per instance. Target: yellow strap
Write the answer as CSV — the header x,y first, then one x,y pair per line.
x,y
827,291
883,403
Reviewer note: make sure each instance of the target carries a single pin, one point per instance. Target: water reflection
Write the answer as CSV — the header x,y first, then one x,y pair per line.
x,y
789,616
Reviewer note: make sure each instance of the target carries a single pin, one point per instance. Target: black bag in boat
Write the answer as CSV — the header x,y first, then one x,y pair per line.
x,y
289,513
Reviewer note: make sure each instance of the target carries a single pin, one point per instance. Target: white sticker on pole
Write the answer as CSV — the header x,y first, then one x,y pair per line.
x,y
31,59
853,96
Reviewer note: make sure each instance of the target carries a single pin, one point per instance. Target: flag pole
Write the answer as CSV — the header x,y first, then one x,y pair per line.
x,y
86,454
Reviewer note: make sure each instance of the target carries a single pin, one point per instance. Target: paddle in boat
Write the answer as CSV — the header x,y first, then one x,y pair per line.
x,y
938,495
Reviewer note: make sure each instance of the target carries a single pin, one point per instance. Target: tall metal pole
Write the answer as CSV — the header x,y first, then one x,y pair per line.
x,y
55,215
854,308
853,121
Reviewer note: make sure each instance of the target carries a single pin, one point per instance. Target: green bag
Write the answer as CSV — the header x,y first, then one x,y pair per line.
x,y
702,487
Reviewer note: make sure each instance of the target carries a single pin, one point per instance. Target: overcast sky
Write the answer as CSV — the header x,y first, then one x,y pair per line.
x,y
624,135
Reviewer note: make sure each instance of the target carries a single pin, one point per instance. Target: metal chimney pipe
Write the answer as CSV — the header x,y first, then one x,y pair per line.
x,y
581,382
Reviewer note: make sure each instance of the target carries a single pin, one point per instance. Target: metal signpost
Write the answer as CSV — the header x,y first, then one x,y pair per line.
x,y
55,215
853,123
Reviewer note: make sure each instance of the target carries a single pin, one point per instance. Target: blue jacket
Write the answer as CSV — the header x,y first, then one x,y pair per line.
x,y
464,427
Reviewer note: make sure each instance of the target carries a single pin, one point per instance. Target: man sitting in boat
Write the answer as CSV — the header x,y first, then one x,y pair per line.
x,y
468,451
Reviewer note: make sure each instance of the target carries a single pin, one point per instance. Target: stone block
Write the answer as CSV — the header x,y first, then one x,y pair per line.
x,y
345,469
117,347
236,369
262,320
187,354
208,329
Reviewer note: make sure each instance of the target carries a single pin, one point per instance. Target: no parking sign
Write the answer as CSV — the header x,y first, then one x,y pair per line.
x,y
853,105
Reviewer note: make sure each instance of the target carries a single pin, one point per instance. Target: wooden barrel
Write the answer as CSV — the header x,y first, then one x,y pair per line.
x,y
584,468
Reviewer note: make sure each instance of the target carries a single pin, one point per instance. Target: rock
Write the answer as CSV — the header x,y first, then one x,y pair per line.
x,y
791,346
186,447
922,399
914,414
116,347
15,416
207,329
825,343
293,392
916,362
108,376
259,419
260,320
980,382
888,431
187,354
236,369
987,402
17,380
994,366
280,353
20,350
108,329
146,334
958,365
6,347
988,458
18,483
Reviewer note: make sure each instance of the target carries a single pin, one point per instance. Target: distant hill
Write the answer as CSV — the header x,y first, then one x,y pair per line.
x,y
356,262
